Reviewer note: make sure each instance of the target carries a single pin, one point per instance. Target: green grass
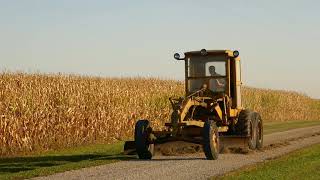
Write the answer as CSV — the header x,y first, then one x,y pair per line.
x,y
93,155
60,161
301,164
284,126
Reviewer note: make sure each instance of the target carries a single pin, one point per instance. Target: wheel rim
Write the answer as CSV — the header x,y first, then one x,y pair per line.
x,y
214,140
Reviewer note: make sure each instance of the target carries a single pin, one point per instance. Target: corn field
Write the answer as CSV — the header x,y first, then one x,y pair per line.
x,y
45,112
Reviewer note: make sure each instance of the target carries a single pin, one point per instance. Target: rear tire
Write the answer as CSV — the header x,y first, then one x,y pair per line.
x,y
246,126
210,140
259,130
144,148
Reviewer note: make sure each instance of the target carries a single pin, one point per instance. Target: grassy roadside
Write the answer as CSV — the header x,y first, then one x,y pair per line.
x,y
301,164
272,127
60,161
80,157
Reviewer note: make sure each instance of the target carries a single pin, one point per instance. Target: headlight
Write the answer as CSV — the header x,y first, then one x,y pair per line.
x,y
235,53
203,52
176,56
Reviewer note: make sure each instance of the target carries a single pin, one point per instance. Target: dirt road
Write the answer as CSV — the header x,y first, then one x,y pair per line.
x,y
195,166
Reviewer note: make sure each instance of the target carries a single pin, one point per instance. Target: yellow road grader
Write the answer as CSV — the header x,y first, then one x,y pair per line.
x,y
210,113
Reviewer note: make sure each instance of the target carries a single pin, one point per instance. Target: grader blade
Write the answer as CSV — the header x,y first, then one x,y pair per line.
x,y
227,143
233,142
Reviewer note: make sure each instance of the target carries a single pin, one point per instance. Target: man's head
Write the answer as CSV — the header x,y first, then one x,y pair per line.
x,y
212,70
204,86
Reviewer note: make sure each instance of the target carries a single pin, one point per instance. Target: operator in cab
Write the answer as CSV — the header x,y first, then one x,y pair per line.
x,y
215,85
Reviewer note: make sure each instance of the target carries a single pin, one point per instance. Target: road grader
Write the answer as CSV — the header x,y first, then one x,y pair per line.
x,y
210,113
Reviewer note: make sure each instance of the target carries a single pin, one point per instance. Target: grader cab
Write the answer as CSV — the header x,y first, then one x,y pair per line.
x,y
211,111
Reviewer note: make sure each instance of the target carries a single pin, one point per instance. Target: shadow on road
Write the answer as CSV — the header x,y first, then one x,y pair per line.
x,y
19,164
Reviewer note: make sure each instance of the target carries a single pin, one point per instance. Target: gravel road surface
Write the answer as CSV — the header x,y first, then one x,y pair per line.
x,y
194,166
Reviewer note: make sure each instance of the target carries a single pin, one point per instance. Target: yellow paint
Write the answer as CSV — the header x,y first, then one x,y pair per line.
x,y
194,123
190,102
234,112
223,129
219,111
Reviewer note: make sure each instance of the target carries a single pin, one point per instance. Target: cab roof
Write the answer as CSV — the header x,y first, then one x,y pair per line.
x,y
211,52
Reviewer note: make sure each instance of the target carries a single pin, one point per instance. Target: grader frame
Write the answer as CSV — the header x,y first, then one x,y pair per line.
x,y
211,112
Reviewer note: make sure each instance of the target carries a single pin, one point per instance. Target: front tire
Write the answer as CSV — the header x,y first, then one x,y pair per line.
x,y
210,140
144,148
246,126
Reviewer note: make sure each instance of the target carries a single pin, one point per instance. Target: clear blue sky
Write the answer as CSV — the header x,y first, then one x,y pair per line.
x,y
278,40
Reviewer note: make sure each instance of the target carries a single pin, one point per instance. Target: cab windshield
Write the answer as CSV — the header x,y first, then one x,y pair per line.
x,y
209,70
